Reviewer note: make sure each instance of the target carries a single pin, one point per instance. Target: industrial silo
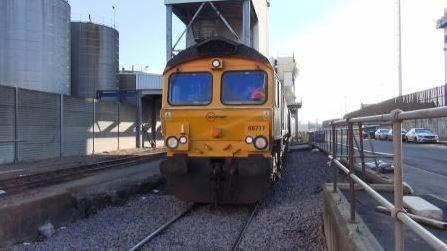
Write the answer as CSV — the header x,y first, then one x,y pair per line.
x,y
35,45
94,58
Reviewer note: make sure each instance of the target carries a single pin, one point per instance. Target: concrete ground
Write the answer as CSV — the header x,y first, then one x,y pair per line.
x,y
424,165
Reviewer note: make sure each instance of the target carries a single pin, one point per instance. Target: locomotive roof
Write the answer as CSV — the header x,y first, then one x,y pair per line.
x,y
216,47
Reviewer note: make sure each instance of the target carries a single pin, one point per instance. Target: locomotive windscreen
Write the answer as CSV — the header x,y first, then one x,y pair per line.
x,y
244,87
190,89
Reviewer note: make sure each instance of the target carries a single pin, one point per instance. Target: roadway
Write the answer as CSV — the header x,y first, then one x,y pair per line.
x,y
425,165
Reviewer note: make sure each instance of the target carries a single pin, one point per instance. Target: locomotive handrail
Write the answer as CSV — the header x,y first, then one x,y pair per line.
x,y
398,213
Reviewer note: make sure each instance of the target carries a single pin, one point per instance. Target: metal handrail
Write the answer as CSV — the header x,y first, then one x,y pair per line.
x,y
384,202
399,214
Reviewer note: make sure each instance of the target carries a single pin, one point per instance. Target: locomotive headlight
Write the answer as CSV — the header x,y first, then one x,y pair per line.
x,y
183,140
216,63
249,140
172,142
260,143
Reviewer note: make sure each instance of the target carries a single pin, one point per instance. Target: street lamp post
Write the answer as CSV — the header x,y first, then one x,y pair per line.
x,y
114,15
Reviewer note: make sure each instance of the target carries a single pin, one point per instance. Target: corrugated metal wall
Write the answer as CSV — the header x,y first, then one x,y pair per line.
x,y
127,126
7,124
38,121
78,128
127,81
147,81
106,127
41,121
140,81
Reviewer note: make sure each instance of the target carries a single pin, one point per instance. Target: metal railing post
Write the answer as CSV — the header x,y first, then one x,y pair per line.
x,y
330,140
334,155
398,177
94,125
61,125
351,168
16,126
341,142
362,151
347,141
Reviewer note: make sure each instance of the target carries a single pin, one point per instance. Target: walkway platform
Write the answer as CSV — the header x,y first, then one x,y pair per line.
x,y
372,230
21,214
24,168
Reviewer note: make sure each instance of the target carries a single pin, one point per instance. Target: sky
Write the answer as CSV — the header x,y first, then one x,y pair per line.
x,y
346,50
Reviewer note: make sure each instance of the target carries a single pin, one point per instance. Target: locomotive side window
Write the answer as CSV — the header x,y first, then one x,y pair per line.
x,y
190,88
244,88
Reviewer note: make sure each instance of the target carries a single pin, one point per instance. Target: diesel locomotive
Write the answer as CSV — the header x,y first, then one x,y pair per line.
x,y
225,123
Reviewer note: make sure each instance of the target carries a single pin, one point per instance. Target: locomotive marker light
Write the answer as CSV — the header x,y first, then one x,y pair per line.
x,y
172,142
249,140
183,140
260,143
217,63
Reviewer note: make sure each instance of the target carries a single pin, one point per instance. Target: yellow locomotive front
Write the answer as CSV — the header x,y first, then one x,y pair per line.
x,y
218,118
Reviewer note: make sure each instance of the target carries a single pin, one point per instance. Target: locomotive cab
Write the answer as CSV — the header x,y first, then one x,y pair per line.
x,y
223,124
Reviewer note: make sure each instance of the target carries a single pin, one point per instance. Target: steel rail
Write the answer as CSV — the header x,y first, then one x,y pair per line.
x,y
244,228
161,228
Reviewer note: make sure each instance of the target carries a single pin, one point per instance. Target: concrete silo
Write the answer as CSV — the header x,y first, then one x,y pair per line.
x,y
35,45
94,58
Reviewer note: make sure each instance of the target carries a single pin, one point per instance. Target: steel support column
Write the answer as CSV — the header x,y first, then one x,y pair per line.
x,y
362,151
94,125
139,120
296,126
16,126
61,125
153,123
334,155
168,32
350,140
246,16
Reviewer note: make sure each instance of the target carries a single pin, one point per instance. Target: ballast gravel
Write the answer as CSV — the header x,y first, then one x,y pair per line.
x,y
290,218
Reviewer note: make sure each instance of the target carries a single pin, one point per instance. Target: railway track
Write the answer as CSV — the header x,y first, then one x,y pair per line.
x,y
189,210
19,184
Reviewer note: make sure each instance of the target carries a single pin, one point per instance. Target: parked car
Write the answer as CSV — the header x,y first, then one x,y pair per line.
x,y
389,135
421,135
369,131
381,134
